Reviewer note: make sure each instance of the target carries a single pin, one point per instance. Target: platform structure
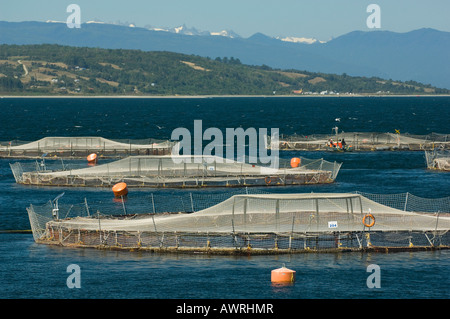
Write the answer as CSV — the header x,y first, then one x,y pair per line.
x,y
81,147
178,171
251,224
365,141
438,159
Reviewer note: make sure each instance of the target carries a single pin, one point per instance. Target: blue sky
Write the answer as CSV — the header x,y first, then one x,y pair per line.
x,y
321,19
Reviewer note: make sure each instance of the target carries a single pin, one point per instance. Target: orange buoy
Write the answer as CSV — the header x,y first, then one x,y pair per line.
x,y
295,162
92,159
283,275
120,189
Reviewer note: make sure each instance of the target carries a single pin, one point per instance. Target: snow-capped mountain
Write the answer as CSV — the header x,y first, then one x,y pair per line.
x,y
226,33
300,40
183,29
55,21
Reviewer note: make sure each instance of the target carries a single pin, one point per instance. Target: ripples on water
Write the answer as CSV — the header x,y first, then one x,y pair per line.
x,y
28,270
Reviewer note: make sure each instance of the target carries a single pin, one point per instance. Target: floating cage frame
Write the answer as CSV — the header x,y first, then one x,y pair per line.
x,y
252,224
182,171
438,159
365,141
81,147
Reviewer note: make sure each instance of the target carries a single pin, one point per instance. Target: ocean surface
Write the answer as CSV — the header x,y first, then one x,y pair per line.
x,y
32,271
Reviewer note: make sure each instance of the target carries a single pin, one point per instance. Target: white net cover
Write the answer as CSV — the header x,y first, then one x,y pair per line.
x,y
267,221
272,213
366,141
438,159
83,143
83,146
177,171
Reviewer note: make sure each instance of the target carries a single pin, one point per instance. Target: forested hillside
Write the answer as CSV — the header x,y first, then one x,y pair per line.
x,y
63,70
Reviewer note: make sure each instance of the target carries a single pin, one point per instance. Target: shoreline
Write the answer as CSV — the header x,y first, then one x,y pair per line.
x,y
210,96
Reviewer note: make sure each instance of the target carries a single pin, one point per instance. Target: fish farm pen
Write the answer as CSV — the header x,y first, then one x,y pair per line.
x,y
78,147
438,160
181,171
265,223
365,141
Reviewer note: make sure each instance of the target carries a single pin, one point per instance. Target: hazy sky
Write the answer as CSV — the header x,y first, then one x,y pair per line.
x,y
321,19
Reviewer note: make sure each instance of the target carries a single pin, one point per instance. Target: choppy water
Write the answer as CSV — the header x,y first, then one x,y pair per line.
x,y
28,270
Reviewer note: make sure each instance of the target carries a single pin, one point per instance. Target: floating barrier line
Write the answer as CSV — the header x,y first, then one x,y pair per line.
x,y
14,231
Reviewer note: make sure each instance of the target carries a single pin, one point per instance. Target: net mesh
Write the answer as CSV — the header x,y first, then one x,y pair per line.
x,y
83,146
262,223
365,141
438,159
175,171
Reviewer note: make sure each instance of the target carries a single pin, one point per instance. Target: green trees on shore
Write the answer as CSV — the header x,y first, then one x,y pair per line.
x,y
56,69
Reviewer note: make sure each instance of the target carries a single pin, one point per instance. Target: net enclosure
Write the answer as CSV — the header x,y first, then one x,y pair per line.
x,y
438,159
65,147
253,224
365,141
177,171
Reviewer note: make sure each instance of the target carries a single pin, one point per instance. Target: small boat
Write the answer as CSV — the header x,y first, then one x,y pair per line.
x,y
339,145
340,149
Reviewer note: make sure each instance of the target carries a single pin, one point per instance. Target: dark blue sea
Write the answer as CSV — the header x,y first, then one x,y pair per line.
x,y
32,271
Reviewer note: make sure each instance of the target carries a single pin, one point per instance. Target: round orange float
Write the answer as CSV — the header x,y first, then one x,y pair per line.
x,y
283,275
92,159
295,162
120,189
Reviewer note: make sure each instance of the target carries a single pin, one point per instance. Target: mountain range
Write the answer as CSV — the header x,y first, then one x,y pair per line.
x,y
183,29
419,55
